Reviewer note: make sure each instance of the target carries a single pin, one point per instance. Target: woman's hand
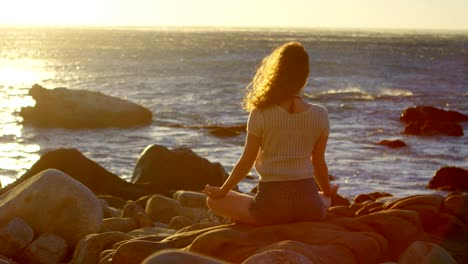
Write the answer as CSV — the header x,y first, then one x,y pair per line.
x,y
213,192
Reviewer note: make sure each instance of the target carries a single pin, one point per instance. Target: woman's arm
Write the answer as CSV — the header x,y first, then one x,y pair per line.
x,y
320,166
242,167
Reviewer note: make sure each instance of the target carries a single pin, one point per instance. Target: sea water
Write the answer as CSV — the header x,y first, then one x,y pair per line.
x,y
194,77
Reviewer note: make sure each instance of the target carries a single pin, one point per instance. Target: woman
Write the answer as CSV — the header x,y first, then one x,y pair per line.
x,y
286,140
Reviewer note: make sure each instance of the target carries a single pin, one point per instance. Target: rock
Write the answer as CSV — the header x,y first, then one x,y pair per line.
x,y
399,227
191,199
422,199
162,208
339,200
449,178
134,252
86,171
179,222
422,113
392,143
76,109
5,260
178,169
425,253
458,206
14,236
150,231
342,211
370,196
138,213
237,243
431,128
169,256
46,249
88,249
278,257
314,253
65,200
119,224
113,201
369,207
108,211
223,132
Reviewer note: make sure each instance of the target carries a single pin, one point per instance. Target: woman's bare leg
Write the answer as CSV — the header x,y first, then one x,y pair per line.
x,y
234,205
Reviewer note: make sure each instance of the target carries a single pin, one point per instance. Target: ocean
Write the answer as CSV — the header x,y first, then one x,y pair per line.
x,y
194,77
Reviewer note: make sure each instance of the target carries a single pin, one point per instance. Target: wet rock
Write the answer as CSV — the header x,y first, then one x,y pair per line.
x,y
89,248
425,253
14,236
46,249
431,128
392,143
278,257
65,200
177,169
421,113
178,256
449,178
76,109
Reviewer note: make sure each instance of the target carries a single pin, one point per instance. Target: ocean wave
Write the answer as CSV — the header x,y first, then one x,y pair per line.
x,y
359,94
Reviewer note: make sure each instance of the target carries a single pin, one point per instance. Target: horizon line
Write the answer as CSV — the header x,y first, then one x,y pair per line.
x,y
226,27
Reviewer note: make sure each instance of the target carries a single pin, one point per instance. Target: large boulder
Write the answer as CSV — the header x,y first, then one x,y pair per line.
x,y
422,113
181,169
92,175
429,120
434,127
53,202
449,178
76,109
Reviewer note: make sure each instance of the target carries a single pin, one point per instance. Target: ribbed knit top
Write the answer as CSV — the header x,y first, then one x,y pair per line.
x,y
287,141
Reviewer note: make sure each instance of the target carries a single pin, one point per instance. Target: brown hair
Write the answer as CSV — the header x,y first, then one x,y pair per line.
x,y
281,75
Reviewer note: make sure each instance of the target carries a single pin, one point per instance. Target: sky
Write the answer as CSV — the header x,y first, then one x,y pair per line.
x,y
391,14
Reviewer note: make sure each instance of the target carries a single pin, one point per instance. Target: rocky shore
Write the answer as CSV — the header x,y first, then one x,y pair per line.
x,y
52,216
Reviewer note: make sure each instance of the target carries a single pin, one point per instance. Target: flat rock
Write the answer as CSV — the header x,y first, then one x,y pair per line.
x,y
67,203
278,256
75,109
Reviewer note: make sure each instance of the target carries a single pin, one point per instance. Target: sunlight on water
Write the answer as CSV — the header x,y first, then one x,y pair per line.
x,y
20,72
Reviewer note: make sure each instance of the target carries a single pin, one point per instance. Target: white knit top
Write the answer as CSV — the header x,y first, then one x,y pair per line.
x,y
287,141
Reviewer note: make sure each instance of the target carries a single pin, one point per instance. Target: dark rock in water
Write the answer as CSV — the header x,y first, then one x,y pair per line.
x,y
430,128
77,109
86,171
181,168
392,143
449,178
422,113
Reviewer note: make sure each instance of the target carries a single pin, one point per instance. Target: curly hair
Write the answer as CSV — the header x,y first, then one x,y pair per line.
x,y
280,76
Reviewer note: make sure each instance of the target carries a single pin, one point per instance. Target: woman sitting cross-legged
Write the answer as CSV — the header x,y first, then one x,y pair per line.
x,y
286,140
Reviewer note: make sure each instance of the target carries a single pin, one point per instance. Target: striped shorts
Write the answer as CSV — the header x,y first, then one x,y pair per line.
x,y
280,202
